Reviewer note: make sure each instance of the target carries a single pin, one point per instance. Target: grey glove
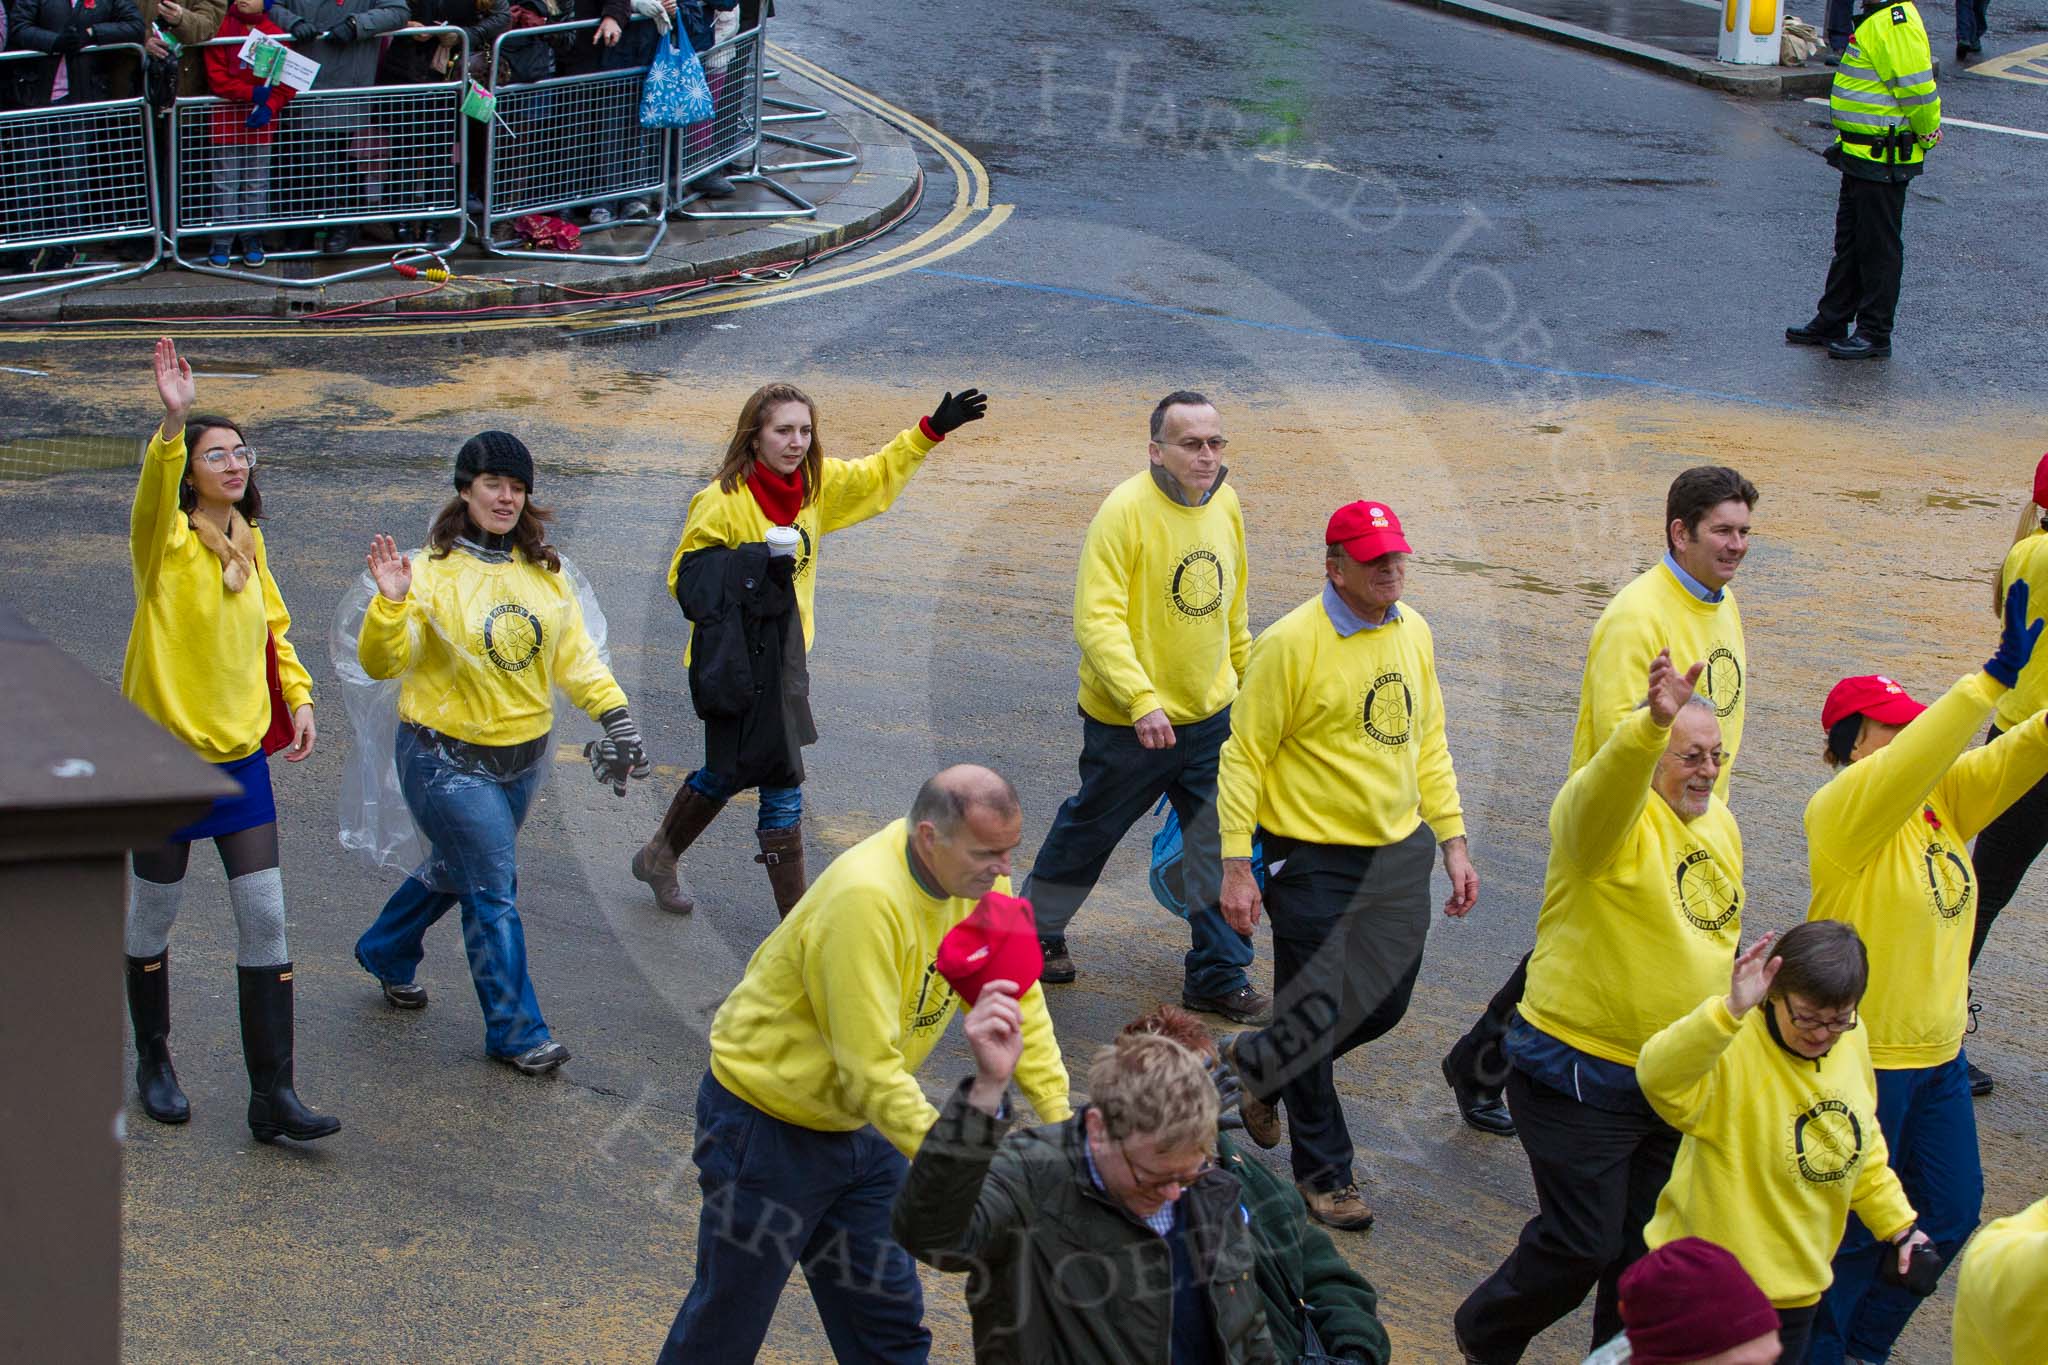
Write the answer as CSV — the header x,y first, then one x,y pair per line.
x,y
620,754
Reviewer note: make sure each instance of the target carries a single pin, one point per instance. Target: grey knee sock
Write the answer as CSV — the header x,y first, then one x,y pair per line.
x,y
152,910
258,899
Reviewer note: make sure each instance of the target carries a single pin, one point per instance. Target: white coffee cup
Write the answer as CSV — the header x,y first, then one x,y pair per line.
x,y
783,541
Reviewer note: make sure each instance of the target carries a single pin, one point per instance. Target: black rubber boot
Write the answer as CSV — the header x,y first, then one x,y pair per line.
x,y
149,1009
274,1108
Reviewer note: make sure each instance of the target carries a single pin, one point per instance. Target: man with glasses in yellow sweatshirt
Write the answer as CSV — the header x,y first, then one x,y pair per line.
x,y
1778,1105
1337,758
1642,913
1159,613
1888,851
811,1108
1684,603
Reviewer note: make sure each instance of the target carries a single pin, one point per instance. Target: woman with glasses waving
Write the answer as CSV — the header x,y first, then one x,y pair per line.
x,y
208,659
1888,850
749,555
1773,1089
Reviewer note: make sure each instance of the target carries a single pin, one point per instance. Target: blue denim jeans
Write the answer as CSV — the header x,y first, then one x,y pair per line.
x,y
776,1195
1931,1132
1120,779
473,821
781,807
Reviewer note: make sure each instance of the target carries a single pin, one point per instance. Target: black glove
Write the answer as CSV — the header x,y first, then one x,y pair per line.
x,y
956,410
70,39
2016,641
619,755
303,31
343,32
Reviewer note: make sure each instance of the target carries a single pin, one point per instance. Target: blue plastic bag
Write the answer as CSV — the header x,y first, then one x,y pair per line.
x,y
1168,886
676,94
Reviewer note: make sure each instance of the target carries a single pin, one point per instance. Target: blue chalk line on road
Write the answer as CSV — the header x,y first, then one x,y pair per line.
x,y
1383,343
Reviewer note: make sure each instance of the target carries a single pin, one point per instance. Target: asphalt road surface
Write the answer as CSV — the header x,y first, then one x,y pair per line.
x,y
1509,288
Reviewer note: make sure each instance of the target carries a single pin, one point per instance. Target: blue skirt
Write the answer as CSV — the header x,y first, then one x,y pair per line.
x,y
233,814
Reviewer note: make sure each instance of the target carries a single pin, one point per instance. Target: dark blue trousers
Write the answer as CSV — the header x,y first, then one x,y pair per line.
x,y
1120,779
776,1195
1931,1132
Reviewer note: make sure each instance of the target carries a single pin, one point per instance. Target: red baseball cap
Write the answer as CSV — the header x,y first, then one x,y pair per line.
x,y
1366,530
2041,483
1872,695
998,941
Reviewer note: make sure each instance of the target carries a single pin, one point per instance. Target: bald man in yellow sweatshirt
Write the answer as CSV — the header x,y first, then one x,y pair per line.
x,y
1684,603
1337,759
811,1107
1642,912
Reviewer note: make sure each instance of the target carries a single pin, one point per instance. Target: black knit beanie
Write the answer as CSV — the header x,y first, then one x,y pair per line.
x,y
494,452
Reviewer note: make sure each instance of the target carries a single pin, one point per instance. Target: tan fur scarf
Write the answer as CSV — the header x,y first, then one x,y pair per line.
x,y
236,550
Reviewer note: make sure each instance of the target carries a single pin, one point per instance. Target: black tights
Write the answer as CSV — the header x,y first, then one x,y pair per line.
x,y
243,852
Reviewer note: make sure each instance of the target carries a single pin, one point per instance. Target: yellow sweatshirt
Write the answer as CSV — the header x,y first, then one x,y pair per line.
x,y
2000,1292
1338,740
195,660
2026,562
1641,912
479,643
849,492
1888,850
1656,612
1777,1149
1159,605
842,1003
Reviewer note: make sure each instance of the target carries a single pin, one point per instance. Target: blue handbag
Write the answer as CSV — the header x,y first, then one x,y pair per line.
x,y
676,94
1169,886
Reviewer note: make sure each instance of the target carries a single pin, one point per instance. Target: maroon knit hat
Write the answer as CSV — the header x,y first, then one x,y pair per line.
x,y
1688,1300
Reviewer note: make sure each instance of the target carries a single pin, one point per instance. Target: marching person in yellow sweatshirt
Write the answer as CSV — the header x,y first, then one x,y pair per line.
x,y
1160,616
1779,1110
775,481
208,659
1887,843
1642,912
812,1107
2010,843
1685,603
1337,760
2000,1290
481,631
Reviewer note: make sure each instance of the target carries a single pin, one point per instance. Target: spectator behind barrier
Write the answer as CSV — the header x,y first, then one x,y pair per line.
x,y
241,131
1098,1239
56,170
616,44
1690,1302
428,58
1298,1264
334,158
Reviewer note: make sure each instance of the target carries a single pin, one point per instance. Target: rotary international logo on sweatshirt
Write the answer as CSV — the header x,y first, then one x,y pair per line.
x,y
1824,1141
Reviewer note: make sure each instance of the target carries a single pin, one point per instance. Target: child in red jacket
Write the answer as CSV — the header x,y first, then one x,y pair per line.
x,y
241,130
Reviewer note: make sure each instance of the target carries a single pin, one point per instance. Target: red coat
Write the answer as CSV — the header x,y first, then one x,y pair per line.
x,y
228,79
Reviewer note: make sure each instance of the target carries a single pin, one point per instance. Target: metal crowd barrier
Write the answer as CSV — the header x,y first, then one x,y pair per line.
x,y
734,133
571,142
75,175
337,158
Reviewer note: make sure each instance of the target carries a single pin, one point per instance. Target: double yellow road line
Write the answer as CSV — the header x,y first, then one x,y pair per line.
x,y
969,219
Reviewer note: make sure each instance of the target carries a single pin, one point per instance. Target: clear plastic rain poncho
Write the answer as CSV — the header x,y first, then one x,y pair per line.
x,y
375,822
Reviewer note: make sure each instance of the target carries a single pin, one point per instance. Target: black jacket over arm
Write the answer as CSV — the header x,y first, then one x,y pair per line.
x,y
748,677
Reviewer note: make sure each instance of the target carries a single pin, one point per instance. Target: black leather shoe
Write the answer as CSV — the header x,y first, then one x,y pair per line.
x,y
1242,1006
1811,335
1059,968
1859,347
1981,1083
1480,1108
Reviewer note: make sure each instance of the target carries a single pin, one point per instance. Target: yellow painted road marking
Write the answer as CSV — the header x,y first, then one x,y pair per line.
x,y
2029,64
954,232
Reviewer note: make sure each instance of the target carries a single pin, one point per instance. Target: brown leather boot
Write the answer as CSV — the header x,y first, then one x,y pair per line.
x,y
782,852
655,863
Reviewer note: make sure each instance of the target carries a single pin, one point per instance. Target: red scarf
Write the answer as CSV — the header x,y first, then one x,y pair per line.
x,y
781,495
